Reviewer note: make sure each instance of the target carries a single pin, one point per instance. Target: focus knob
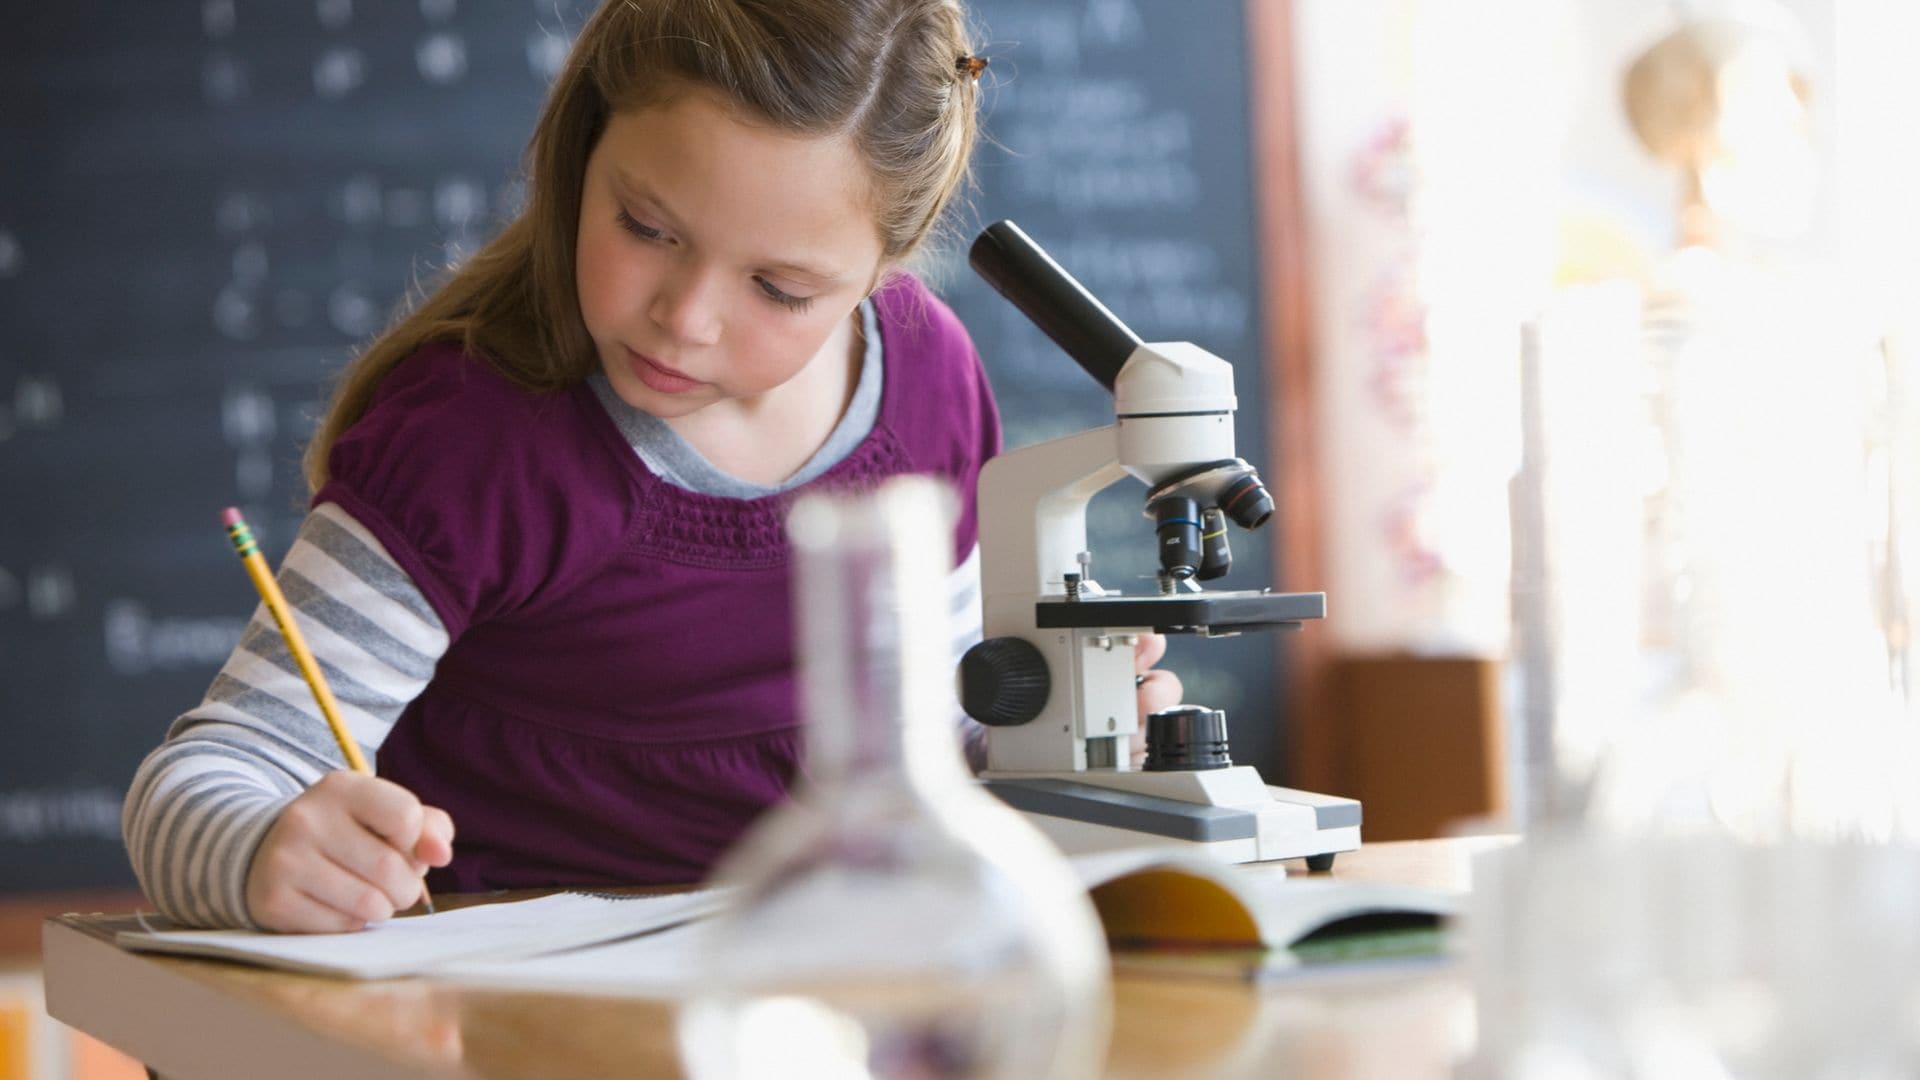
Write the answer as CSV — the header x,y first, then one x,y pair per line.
x,y
1004,682
1187,738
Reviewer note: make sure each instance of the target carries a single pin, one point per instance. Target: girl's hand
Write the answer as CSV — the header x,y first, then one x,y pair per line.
x,y
351,850
1157,690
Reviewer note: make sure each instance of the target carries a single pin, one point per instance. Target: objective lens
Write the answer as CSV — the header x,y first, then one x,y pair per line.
x,y
1177,526
1246,501
1215,557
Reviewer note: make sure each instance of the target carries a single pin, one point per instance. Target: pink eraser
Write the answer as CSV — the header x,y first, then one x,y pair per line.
x,y
230,516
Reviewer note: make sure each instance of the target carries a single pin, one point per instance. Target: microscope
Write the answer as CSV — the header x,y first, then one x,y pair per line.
x,y
1053,678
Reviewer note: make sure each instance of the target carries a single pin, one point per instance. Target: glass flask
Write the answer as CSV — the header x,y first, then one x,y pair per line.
x,y
892,919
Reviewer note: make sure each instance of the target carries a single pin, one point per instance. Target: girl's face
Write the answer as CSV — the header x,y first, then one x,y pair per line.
x,y
715,258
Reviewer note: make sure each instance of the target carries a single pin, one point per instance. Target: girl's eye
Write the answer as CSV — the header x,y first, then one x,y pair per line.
x,y
632,225
786,300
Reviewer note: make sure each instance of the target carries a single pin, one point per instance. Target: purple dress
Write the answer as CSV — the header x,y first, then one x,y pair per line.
x,y
618,701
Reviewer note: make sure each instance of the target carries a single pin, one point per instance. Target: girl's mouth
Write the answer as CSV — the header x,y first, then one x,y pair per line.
x,y
659,378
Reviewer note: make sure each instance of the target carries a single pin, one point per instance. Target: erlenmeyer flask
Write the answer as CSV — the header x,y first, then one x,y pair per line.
x,y
892,919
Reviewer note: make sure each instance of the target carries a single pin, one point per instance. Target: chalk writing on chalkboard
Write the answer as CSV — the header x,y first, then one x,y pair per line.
x,y
60,814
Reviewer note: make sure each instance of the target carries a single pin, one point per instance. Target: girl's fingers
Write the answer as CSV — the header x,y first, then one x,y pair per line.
x,y
345,891
435,847
1159,689
1147,650
391,811
342,855
317,917
376,864
293,911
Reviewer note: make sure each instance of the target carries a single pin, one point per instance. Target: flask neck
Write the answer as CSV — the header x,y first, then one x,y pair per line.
x,y
907,746
876,677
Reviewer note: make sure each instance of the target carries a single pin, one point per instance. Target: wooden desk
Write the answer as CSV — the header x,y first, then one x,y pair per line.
x,y
203,1018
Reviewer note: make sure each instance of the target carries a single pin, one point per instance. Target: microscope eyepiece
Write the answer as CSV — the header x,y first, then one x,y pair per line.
x,y
1246,501
1176,525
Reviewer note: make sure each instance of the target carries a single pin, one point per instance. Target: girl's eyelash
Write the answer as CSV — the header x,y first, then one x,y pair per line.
x,y
791,303
773,292
632,225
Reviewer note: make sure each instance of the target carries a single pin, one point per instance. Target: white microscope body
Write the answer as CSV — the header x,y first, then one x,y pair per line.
x,y
1054,677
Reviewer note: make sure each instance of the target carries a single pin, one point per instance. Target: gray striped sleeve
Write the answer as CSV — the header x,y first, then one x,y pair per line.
x,y
963,606
201,802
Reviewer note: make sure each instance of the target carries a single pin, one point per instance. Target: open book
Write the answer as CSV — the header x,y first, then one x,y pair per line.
x,y
1174,912
1158,904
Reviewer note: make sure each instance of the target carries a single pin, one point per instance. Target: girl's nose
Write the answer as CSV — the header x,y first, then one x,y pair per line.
x,y
687,306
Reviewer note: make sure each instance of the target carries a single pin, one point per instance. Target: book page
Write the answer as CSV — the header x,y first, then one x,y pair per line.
x,y
423,943
1397,946
1160,895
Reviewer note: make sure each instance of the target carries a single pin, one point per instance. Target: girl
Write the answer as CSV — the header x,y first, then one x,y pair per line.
x,y
543,568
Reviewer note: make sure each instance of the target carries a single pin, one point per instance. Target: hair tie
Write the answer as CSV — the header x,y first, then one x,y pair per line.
x,y
970,66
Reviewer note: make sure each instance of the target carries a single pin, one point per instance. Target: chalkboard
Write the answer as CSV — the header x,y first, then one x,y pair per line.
x,y
207,204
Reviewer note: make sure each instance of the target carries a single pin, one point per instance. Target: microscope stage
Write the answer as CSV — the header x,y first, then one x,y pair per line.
x,y
1184,614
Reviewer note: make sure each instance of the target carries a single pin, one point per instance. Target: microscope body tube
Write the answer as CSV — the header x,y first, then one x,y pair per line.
x,y
1061,307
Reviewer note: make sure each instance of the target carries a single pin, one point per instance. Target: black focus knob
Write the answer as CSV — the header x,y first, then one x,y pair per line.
x,y
1004,682
1187,737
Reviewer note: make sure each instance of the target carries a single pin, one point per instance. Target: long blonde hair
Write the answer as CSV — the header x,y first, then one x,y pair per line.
x,y
886,73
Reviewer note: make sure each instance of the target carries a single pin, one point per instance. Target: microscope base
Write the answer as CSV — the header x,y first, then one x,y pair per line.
x,y
1085,812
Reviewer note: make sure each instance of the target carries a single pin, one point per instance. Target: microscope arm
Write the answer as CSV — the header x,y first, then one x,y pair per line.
x,y
1033,511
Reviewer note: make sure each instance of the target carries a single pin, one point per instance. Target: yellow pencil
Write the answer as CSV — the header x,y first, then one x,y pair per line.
x,y
276,602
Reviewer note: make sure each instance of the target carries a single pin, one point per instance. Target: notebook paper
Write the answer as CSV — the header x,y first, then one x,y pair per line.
x,y
666,963
423,943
